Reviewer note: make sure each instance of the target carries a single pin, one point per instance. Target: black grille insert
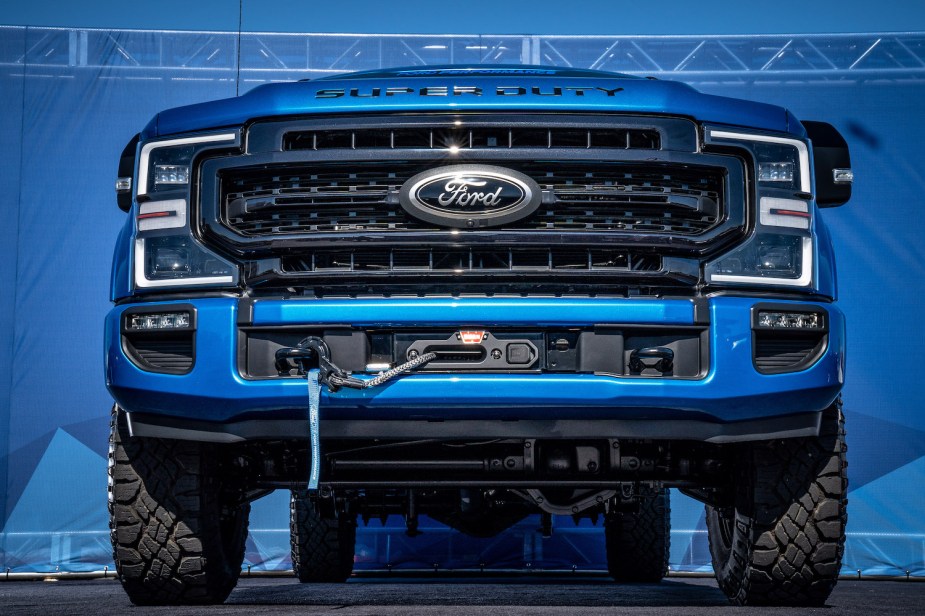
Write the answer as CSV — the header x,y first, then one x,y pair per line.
x,y
786,352
550,349
680,200
168,353
479,137
463,261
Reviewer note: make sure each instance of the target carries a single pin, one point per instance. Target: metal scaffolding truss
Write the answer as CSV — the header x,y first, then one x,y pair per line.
x,y
276,56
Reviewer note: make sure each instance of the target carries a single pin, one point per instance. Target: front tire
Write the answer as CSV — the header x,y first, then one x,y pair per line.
x,y
175,539
783,540
323,541
638,543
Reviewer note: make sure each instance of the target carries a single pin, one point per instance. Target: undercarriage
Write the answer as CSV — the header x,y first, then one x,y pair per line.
x,y
482,488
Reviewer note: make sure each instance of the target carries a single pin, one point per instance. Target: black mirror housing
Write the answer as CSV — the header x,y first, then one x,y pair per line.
x,y
832,163
126,170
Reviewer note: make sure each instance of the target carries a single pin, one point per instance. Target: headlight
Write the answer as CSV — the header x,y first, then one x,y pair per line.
x,y
166,253
165,165
780,251
178,260
777,165
767,259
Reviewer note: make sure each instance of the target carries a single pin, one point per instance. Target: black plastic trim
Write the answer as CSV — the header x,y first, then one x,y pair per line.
x,y
720,237
128,347
787,426
245,312
590,358
679,134
126,169
812,357
701,311
173,295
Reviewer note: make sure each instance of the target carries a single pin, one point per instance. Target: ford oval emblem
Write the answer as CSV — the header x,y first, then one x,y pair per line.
x,y
470,196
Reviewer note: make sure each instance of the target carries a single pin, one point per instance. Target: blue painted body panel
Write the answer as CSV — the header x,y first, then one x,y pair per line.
x,y
731,390
826,275
120,279
476,312
638,96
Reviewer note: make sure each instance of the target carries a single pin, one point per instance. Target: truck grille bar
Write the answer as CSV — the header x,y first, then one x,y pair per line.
x,y
461,261
480,137
627,203
323,198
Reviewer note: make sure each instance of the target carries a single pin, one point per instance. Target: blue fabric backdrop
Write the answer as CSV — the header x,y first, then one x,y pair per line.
x,y
70,99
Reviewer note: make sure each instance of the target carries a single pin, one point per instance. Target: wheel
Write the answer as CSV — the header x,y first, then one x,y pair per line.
x,y
638,543
174,540
323,542
783,540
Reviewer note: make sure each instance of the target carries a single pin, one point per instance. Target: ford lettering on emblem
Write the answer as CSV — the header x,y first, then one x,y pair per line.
x,y
470,196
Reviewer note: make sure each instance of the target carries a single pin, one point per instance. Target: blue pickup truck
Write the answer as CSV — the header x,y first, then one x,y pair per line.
x,y
478,293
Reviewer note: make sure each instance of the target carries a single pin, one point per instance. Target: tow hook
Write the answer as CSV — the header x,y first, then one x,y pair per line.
x,y
659,358
301,356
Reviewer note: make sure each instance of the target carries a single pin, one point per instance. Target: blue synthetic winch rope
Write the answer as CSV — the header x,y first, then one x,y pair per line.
x,y
314,398
335,378
382,377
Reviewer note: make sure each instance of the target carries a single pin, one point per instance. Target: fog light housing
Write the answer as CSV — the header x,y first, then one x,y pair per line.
x,y
788,337
158,321
790,320
160,338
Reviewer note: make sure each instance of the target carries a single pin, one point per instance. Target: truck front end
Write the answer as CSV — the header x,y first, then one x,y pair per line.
x,y
606,286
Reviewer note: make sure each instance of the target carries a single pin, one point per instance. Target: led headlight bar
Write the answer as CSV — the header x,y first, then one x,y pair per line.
x,y
775,172
171,174
172,160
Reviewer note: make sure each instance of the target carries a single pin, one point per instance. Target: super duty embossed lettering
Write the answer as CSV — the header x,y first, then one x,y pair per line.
x,y
377,92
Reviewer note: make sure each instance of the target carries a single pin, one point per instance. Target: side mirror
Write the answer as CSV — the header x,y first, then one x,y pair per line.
x,y
126,171
832,163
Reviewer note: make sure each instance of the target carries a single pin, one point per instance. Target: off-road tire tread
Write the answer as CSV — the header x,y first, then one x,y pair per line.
x,y
789,536
322,543
172,543
638,544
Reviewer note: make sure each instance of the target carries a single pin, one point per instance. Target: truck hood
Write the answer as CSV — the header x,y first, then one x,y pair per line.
x,y
476,88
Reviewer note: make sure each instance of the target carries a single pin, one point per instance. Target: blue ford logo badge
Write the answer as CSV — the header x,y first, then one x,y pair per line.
x,y
470,196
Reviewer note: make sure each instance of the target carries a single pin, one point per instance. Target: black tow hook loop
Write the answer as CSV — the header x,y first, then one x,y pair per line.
x,y
314,348
288,358
311,348
659,358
